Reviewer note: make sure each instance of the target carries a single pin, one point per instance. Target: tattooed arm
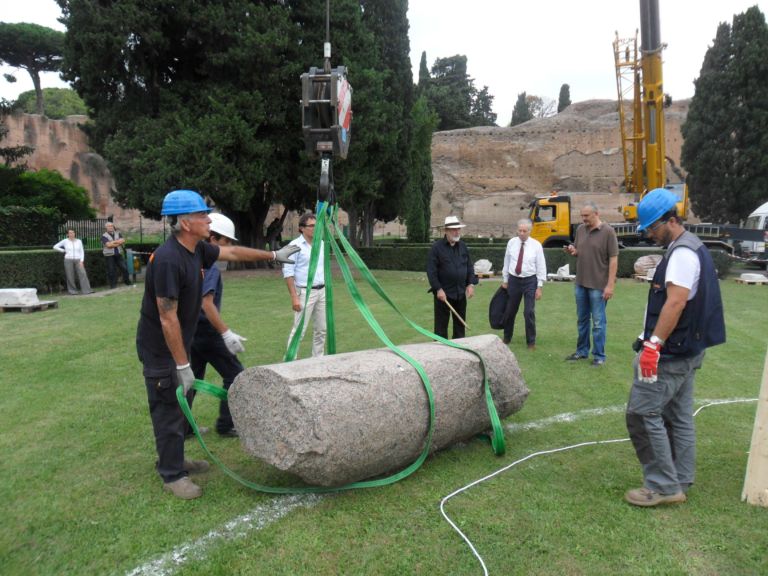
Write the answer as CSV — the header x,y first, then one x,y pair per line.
x,y
169,320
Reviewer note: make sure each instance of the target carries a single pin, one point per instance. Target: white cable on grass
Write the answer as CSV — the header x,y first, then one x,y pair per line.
x,y
541,453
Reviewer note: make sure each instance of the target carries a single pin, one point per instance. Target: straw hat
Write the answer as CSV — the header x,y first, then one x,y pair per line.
x,y
453,222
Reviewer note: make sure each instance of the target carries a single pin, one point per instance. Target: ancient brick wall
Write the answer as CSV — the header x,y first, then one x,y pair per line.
x,y
62,146
488,175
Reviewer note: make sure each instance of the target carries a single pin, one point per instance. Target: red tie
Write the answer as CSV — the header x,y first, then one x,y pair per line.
x,y
519,266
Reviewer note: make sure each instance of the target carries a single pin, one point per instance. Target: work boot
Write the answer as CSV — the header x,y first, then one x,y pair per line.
x,y
647,497
183,488
196,466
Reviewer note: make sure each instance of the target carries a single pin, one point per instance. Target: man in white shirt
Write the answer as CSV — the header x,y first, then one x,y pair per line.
x,y
74,263
524,273
296,278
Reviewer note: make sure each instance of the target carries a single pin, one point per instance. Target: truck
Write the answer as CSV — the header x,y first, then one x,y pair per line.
x,y
639,72
754,251
553,226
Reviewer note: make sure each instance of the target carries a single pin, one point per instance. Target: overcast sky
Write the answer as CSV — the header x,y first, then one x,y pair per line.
x,y
514,47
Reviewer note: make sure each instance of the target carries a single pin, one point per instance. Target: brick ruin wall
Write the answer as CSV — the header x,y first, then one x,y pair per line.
x,y
62,146
488,175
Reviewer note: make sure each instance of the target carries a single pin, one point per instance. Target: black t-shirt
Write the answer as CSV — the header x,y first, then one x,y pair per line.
x,y
176,273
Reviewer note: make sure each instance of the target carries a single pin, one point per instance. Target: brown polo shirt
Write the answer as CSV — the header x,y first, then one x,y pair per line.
x,y
596,247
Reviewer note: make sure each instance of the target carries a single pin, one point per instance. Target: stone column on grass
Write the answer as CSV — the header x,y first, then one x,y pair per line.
x,y
336,419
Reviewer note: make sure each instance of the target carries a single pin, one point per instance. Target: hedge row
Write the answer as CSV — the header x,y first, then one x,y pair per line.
x,y
22,226
414,258
44,269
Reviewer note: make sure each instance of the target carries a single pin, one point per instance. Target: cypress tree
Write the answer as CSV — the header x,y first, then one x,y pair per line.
x,y
725,148
564,99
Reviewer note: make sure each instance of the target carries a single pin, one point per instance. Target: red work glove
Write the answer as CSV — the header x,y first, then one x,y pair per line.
x,y
649,362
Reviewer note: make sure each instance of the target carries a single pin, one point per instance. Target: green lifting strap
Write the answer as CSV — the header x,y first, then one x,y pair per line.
x,y
221,394
497,438
326,223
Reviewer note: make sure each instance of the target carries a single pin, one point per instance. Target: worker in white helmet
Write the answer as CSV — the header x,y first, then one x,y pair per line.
x,y
215,343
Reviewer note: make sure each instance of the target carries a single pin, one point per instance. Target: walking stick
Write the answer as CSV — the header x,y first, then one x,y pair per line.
x,y
456,314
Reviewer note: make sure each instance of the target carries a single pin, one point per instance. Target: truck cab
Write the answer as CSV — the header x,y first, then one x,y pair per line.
x,y
551,218
755,251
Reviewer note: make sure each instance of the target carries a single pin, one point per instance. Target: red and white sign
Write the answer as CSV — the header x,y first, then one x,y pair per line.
x,y
344,105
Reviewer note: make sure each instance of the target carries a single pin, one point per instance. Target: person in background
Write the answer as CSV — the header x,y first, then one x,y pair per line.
x,y
74,263
215,343
295,275
597,259
112,248
452,279
523,275
275,234
170,310
683,317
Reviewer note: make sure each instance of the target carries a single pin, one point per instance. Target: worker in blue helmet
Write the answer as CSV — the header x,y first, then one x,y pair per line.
x,y
683,317
169,315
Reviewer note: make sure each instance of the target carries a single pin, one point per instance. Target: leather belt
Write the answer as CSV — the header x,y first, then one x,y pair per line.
x,y
318,287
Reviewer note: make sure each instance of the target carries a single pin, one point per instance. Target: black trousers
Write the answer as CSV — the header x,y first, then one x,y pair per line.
x,y
208,348
169,425
115,263
521,289
443,314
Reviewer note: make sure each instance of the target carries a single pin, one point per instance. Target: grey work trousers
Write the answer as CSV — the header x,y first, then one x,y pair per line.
x,y
72,267
660,424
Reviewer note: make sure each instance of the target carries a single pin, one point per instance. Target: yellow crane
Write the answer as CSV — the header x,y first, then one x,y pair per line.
x,y
639,73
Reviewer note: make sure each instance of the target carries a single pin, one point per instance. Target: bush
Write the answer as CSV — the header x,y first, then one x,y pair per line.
x,y
28,226
44,269
57,103
414,257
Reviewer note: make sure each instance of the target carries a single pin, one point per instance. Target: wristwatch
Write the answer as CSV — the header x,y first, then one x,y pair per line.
x,y
656,340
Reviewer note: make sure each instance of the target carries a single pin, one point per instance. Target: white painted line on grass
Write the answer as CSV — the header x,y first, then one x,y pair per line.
x,y
568,417
257,519
565,417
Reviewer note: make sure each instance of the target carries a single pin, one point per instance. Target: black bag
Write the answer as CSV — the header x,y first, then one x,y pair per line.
x,y
497,310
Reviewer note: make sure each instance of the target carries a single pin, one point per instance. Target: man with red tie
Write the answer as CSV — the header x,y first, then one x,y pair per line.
x,y
524,273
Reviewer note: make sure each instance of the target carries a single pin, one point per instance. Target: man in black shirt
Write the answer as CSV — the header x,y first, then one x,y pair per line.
x,y
169,314
451,277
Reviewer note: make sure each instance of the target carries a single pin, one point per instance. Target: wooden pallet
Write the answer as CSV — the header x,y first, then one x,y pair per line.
x,y
40,306
750,282
641,277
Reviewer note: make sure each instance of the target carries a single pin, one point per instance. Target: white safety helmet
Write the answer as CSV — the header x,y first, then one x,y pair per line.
x,y
222,225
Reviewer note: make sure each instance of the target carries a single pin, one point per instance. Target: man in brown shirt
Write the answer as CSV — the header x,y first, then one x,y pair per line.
x,y
597,251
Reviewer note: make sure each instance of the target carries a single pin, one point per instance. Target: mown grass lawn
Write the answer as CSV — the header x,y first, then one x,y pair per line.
x,y
80,495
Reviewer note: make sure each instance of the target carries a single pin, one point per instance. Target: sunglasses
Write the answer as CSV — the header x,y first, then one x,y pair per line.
x,y
655,226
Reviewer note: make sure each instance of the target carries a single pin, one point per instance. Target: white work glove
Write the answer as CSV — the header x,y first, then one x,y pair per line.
x,y
185,377
233,342
282,254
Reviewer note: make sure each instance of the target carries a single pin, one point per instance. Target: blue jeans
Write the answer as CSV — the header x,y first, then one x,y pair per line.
x,y
590,312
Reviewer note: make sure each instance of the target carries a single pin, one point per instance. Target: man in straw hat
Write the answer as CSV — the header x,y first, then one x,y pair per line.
x,y
451,277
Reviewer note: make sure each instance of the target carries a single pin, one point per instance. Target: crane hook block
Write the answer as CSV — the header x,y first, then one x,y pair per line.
x,y
326,111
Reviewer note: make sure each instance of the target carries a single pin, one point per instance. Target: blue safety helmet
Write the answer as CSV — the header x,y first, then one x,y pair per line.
x,y
653,206
183,202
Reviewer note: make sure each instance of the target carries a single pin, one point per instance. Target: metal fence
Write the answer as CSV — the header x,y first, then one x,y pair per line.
x,y
89,231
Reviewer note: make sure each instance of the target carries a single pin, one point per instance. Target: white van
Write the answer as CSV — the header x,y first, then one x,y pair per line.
x,y
758,220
